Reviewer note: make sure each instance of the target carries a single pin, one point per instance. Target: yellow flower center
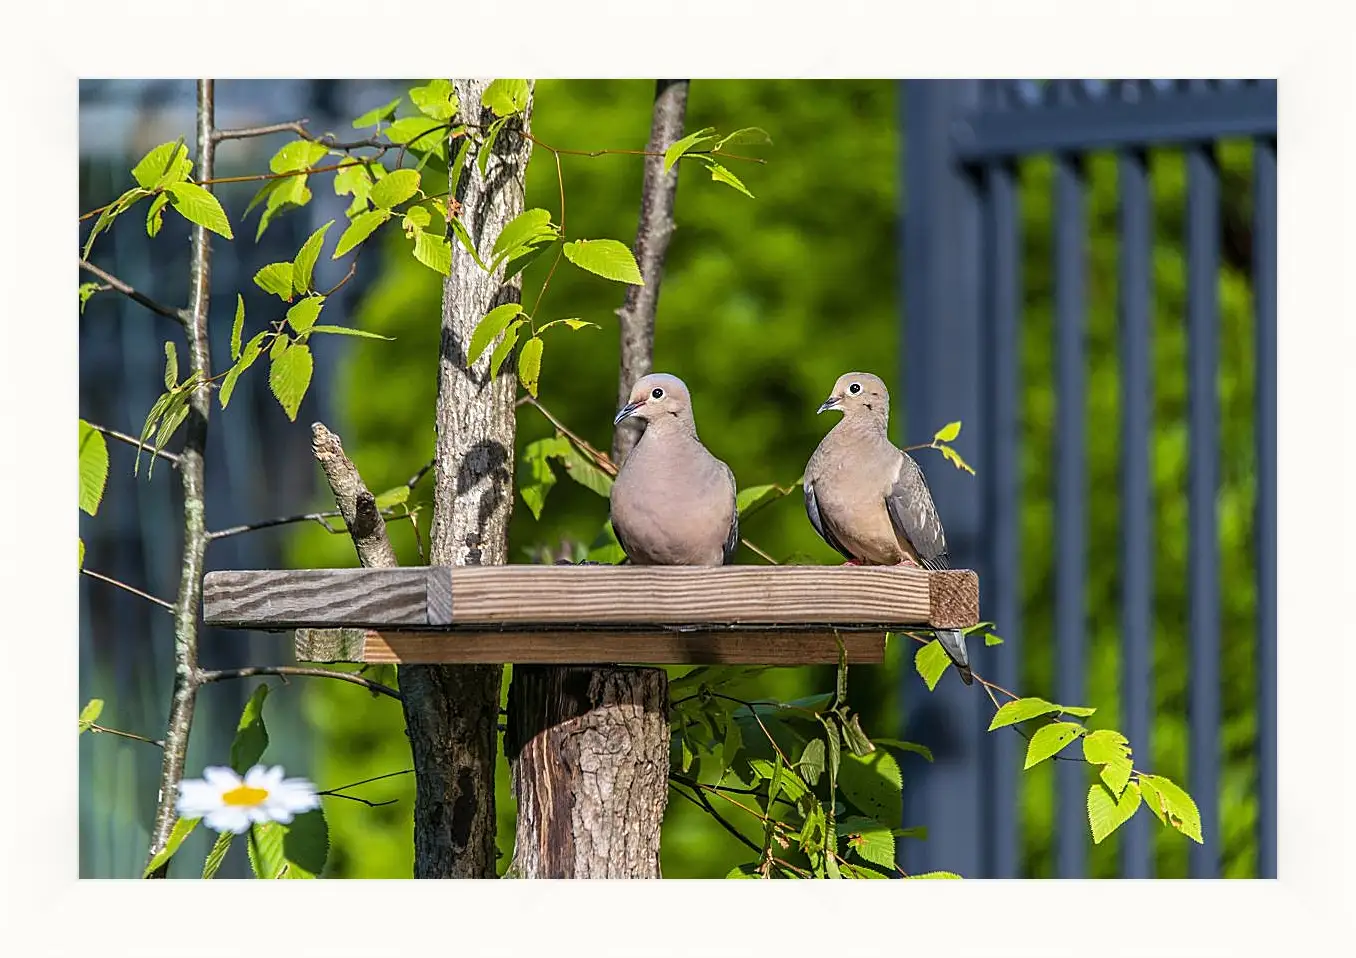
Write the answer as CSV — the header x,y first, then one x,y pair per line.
x,y
244,795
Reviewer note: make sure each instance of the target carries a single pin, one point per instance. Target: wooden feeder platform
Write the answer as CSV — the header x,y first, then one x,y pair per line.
x,y
592,614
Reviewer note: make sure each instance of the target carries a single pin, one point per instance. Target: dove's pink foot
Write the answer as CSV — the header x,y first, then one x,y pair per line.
x,y
908,563
852,562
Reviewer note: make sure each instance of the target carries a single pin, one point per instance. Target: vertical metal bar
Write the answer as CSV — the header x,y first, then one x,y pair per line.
x,y
1203,239
1137,572
1264,520
1002,514
1070,497
943,299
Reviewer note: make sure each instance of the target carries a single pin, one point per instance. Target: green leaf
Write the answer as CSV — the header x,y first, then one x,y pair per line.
x,y
171,365
572,323
954,457
722,174
297,155
947,433
198,205
1105,745
529,364
903,746
393,497
181,830
582,470
1050,739
434,252
303,315
734,741
754,497
506,97
247,357
754,135
494,323
251,736
458,165
90,713
395,188
112,212
875,845
787,782
935,875
353,180
276,278
155,214
297,849
435,99
373,117
304,264
931,661
874,785
86,291
505,347
93,468
265,845
290,376
811,763
605,257
1082,711
1172,805
535,482
165,164
487,148
743,871
992,638
349,331
217,855
1019,710
1106,813
362,226
459,229
291,192
416,219
420,133
82,554
685,145
523,229
237,327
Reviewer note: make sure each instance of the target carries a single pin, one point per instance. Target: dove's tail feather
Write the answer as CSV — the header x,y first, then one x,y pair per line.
x,y
953,641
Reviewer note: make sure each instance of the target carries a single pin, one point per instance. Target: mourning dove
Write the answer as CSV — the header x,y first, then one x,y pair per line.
x,y
673,503
869,500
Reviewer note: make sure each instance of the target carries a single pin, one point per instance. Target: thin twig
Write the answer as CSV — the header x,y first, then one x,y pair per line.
x,y
219,675
366,781
701,801
600,459
132,735
759,551
133,441
169,606
318,517
178,315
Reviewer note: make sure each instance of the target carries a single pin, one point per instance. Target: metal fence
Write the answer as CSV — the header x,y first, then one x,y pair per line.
x,y
963,295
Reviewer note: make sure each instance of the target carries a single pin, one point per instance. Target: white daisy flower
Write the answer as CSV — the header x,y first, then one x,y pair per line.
x,y
227,803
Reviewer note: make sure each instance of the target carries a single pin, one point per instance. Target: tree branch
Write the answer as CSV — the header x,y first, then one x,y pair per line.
x,y
132,735
357,505
221,675
133,441
127,588
178,315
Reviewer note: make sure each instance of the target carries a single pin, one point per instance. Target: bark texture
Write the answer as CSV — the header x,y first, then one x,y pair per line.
x,y
590,746
591,759
451,712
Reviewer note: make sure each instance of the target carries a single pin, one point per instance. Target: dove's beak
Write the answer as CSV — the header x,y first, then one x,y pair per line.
x,y
831,403
628,411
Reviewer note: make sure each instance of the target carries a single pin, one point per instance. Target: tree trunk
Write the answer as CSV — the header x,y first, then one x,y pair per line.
x,y
451,712
590,746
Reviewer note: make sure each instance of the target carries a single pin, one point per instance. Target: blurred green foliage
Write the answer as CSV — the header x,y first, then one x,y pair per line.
x,y
764,303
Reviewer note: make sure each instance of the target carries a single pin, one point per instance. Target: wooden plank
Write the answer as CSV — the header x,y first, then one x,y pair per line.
x,y
751,647
539,597
330,645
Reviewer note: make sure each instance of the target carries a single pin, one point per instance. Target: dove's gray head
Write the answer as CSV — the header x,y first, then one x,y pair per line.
x,y
658,398
859,394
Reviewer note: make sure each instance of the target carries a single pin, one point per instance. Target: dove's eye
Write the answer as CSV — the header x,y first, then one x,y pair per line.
x,y
855,388
657,393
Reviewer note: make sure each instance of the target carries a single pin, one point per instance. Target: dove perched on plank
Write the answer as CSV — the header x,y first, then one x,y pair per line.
x,y
673,503
869,500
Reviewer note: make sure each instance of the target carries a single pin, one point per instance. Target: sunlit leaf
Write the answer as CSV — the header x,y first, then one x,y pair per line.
x,y
90,713
362,226
529,364
1048,740
238,326
947,433
954,457
686,145
435,99
303,315
217,855
276,278
1172,804
434,252
1019,710
155,214
505,347
572,323
248,355
304,264
164,164
93,468
289,377
395,188
931,661
171,365
754,135
181,830
608,258
349,331
251,735
494,323
722,174
375,116
198,205
297,155
506,97
1106,813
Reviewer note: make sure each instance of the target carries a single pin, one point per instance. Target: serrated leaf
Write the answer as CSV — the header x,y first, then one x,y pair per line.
x,y
112,212
1105,745
751,499
416,219
954,457
434,252
362,226
296,849
276,278
535,482
304,264
723,174
82,553
458,165
247,357
506,97
183,827
992,638
529,364
297,155
86,291
1172,805
397,187
265,845
373,117
393,497
93,468
356,181
1019,710
152,420
164,164
420,133
1049,740
171,365
198,205
467,243
251,735
582,470
947,433
487,148
303,315
505,347
755,135
608,258
903,746
686,145
349,331
494,323
1106,813
217,855
930,661
435,99
874,785
1082,711
935,875
291,192
290,376
572,323
238,326
522,230
90,713
811,763
875,845
155,215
